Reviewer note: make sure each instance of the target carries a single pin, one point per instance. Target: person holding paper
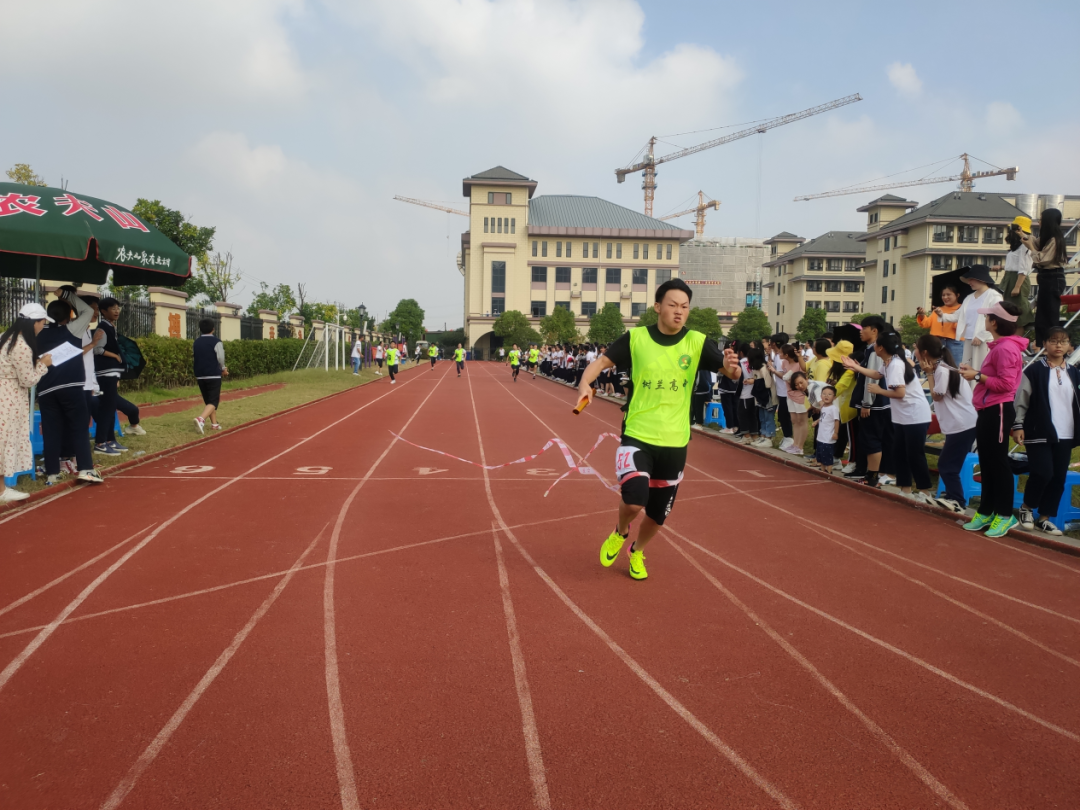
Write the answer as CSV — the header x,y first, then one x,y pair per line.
x,y
21,367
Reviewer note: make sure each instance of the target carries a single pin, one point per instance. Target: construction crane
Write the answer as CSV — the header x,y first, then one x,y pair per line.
x,y
966,178
436,206
648,166
699,209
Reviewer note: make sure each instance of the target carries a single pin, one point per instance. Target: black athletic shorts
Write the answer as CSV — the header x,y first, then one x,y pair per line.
x,y
211,392
532,366
649,476
874,431
460,364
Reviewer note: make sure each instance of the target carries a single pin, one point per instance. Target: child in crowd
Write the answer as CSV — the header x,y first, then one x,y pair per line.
x,y
995,386
955,414
828,430
747,407
776,369
797,387
910,417
842,379
763,394
1047,423
872,431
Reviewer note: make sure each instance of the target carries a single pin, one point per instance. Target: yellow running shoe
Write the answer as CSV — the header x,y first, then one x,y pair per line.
x,y
637,564
611,548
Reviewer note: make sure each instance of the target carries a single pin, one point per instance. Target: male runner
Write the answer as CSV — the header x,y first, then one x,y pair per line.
x,y
433,352
392,361
515,361
534,358
380,353
459,358
663,359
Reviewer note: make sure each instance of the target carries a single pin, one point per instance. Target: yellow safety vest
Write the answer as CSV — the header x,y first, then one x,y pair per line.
x,y
515,357
663,377
391,357
459,355
432,351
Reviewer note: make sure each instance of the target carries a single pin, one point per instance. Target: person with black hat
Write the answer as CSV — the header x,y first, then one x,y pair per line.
x,y
970,325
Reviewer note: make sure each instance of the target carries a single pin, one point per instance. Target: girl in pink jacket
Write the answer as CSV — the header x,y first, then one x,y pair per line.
x,y
995,387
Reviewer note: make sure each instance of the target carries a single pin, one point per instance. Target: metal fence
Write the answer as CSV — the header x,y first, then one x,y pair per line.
x,y
15,293
136,318
250,328
285,330
196,315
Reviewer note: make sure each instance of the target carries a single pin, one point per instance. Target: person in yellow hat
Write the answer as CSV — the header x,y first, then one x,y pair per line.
x,y
1016,284
843,380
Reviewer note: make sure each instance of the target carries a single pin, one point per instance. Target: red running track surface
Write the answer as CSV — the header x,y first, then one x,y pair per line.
x,y
309,613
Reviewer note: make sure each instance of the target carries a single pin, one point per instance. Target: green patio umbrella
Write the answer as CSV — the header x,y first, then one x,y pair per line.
x,y
49,232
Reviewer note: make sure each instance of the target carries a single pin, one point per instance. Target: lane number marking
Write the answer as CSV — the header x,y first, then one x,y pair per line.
x,y
191,469
312,470
541,472
428,470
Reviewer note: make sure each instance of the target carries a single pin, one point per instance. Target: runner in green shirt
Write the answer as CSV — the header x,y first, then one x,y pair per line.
x,y
433,352
392,361
459,358
663,360
515,361
534,358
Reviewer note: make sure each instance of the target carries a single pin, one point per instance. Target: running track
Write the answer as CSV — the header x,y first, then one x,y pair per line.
x,y
310,613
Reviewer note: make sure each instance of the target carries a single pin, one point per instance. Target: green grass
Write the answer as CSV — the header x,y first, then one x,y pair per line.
x,y
172,430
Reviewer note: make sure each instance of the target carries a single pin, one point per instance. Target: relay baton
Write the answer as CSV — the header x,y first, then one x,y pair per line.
x,y
583,403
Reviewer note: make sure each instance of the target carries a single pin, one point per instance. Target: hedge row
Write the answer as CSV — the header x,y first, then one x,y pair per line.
x,y
169,364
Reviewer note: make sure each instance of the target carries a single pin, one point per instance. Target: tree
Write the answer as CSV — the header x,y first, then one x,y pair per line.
x,y
858,318
648,317
910,331
22,173
513,327
559,327
606,325
812,325
449,341
218,275
192,239
406,318
280,300
750,324
705,320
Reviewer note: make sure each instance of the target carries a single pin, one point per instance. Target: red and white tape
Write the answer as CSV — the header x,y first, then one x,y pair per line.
x,y
582,468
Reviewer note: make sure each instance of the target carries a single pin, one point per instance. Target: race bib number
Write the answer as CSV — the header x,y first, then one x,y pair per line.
x,y
624,461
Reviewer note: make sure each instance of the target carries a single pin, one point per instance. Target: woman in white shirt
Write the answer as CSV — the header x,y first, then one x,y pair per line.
x,y
910,417
970,325
955,414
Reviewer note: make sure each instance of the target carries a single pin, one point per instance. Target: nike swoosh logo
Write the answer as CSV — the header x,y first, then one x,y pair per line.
x,y
611,557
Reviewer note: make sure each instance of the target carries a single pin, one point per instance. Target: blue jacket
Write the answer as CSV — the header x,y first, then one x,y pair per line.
x,y
1033,404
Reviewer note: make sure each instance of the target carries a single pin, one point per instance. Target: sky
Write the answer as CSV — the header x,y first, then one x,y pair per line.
x,y
291,125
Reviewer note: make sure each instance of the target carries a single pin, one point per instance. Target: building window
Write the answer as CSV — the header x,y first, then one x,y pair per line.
x,y
613,275
943,233
663,276
562,275
534,247
485,224
543,248
832,306
851,306
892,295
669,253
595,250
645,252
558,250
836,265
618,250
498,305
609,250
813,305
513,225
564,304
499,198
585,250
885,269
539,309
778,313
851,264
498,277
886,244
832,286
588,308
637,310
640,277
568,250
941,262
813,286
852,286
539,274
968,234
588,275
885,294
636,251
814,265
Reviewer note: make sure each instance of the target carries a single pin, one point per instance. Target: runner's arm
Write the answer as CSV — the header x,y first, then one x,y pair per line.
x,y
725,362
592,371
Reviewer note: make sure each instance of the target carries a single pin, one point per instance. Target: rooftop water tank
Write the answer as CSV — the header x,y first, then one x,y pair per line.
x,y
1051,201
1029,204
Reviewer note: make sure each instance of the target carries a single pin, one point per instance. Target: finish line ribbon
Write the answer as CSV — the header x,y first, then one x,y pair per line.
x,y
582,468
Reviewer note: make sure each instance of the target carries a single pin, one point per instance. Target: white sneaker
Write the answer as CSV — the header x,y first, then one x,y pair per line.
x,y
200,424
763,442
9,495
92,476
887,480
786,443
393,381
950,504
850,468
136,430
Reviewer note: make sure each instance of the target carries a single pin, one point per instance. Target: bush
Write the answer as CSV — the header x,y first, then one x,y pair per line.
x,y
169,364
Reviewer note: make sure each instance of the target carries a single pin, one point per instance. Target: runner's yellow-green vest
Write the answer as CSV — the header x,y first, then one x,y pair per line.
x,y
534,355
515,357
433,351
391,357
663,377
459,355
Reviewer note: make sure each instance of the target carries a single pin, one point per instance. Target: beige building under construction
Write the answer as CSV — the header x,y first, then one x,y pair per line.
x,y
725,273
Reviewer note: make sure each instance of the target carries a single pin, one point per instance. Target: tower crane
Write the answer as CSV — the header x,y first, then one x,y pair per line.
x,y
699,209
436,206
648,166
966,178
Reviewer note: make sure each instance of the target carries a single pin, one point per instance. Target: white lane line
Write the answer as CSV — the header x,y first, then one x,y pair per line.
x,y
886,645
750,494
883,737
343,757
1015,547
672,702
14,666
531,733
23,600
154,748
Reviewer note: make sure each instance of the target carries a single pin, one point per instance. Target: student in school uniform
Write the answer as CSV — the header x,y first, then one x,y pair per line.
x,y
108,365
208,358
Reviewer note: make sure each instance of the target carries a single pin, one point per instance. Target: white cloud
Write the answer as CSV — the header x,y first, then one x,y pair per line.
x,y
903,77
1003,118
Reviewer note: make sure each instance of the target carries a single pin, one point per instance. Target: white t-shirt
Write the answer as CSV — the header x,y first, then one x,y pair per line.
x,y
827,424
1061,399
380,353
590,356
955,415
913,409
501,352
781,386
970,309
356,349
747,390
90,383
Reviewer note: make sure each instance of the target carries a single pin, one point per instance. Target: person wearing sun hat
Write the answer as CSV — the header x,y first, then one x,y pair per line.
x,y
843,380
21,367
970,324
1016,283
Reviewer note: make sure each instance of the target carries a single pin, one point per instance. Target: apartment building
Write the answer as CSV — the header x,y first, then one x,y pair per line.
x,y
725,273
823,273
535,253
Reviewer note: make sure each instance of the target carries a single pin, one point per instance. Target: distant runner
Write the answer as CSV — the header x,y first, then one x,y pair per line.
x,y
534,358
433,352
459,358
515,361
392,361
